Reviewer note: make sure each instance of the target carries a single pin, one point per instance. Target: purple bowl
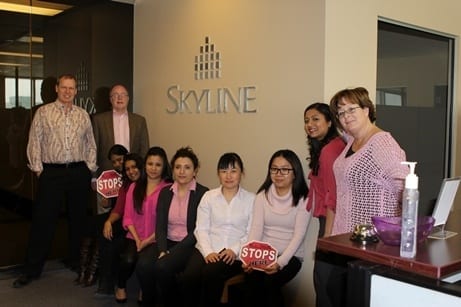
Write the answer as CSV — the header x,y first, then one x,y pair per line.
x,y
388,229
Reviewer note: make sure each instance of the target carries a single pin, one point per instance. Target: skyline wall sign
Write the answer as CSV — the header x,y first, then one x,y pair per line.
x,y
208,65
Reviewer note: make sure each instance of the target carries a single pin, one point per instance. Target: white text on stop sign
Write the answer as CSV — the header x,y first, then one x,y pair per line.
x,y
109,183
258,253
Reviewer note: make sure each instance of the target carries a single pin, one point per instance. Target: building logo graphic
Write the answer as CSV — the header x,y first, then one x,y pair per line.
x,y
82,78
207,63
83,98
219,100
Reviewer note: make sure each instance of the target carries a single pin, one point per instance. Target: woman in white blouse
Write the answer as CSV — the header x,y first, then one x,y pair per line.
x,y
280,219
223,221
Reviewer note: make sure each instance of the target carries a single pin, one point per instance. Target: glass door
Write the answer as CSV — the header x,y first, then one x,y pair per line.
x,y
414,101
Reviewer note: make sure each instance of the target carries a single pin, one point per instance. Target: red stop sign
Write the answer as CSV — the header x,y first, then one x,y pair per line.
x,y
258,254
108,183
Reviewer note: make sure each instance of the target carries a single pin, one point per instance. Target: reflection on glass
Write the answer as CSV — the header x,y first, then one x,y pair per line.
x,y
26,94
413,89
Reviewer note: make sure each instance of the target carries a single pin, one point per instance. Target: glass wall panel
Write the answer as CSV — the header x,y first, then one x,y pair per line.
x,y
414,84
35,48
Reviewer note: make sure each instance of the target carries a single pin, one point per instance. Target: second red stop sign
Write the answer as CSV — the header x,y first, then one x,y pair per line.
x,y
258,254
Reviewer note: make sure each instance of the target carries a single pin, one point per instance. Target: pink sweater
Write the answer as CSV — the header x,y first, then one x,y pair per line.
x,y
369,182
277,222
322,188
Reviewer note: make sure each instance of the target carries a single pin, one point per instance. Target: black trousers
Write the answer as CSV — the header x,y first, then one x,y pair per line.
x,y
330,275
130,257
146,276
166,271
57,186
321,273
202,283
330,272
109,253
262,289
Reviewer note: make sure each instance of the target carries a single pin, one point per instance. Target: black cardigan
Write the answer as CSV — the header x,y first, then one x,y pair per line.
x,y
163,209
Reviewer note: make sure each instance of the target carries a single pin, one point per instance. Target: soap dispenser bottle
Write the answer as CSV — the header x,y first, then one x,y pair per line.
x,y
410,200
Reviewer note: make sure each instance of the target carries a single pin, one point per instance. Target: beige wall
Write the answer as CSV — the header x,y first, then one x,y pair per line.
x,y
351,44
260,45
294,52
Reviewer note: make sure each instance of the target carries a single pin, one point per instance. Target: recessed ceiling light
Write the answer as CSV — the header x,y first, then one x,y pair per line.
x,y
30,39
14,64
24,55
35,10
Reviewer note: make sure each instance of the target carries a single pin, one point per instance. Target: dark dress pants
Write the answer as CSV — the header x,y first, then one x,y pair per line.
x,y
57,186
128,260
330,275
321,273
166,270
331,269
146,276
263,289
109,253
202,283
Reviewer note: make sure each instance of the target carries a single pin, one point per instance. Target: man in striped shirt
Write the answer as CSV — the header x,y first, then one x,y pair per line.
x,y
62,153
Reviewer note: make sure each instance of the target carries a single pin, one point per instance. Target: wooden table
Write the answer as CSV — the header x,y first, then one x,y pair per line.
x,y
435,258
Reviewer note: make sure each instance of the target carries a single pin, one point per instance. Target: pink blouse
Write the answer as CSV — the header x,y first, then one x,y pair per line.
x,y
143,223
177,217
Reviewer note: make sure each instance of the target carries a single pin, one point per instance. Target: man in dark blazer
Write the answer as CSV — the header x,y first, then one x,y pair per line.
x,y
117,126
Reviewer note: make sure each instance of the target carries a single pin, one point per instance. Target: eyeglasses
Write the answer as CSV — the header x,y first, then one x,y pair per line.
x,y
119,95
343,113
283,170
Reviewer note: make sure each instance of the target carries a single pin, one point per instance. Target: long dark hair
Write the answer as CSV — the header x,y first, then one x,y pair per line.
x,y
299,187
137,160
315,145
139,192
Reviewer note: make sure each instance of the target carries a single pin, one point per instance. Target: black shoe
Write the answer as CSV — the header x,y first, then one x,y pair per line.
x,y
121,300
22,281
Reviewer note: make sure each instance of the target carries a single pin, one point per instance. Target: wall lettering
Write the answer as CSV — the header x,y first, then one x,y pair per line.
x,y
85,103
220,100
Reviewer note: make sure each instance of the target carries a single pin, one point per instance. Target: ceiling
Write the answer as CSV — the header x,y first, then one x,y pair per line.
x,y
15,27
15,45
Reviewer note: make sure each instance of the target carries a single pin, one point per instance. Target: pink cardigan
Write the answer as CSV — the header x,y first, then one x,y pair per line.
x,y
322,188
369,182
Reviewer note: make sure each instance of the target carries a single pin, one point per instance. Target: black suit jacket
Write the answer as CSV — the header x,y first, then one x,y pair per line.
x,y
163,209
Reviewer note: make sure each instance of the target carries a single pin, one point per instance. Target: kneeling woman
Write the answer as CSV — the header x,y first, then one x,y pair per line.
x,y
280,219
223,220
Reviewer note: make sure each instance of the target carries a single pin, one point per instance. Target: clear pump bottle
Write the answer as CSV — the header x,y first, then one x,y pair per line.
x,y
410,201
